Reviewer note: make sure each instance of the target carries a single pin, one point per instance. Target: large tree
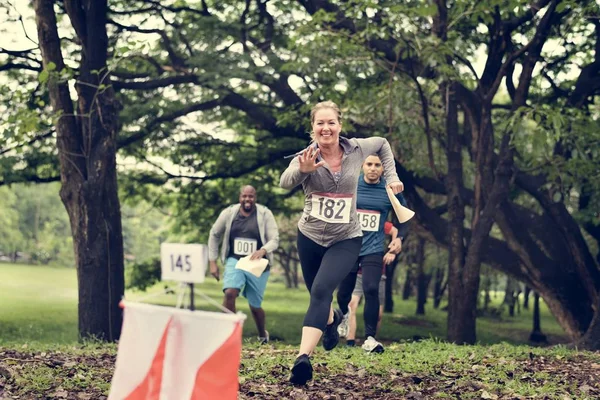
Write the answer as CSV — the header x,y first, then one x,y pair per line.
x,y
86,137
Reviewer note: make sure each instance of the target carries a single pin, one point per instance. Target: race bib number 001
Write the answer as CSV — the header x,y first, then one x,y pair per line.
x,y
331,207
369,220
243,246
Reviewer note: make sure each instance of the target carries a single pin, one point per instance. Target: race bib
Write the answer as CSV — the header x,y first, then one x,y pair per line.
x,y
331,207
244,246
369,220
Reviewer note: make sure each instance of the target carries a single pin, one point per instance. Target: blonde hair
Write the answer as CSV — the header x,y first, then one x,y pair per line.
x,y
319,106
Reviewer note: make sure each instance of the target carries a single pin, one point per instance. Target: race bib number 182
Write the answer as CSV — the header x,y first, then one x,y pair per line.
x,y
331,207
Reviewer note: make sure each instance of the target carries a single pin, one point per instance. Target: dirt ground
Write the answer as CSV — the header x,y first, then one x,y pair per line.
x,y
57,375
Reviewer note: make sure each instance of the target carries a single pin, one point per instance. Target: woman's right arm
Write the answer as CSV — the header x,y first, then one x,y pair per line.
x,y
292,176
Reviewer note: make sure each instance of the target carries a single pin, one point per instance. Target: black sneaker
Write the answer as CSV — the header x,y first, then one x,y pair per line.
x,y
301,371
331,336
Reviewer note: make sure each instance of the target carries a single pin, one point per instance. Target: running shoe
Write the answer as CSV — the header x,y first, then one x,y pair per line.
x,y
372,346
331,337
344,325
264,340
301,371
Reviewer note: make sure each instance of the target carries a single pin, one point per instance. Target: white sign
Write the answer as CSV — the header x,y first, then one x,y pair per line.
x,y
183,262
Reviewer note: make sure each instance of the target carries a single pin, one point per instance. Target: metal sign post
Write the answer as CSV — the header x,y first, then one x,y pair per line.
x,y
191,296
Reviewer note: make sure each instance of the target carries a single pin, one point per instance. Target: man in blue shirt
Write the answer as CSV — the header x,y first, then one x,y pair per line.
x,y
373,206
244,229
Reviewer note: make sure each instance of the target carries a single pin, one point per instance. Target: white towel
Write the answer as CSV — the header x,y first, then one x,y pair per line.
x,y
255,267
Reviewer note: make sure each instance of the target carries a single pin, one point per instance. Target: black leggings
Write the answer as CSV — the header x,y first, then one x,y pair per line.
x,y
372,268
323,269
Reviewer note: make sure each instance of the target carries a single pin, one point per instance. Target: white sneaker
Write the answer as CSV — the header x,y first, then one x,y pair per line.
x,y
344,326
372,346
264,340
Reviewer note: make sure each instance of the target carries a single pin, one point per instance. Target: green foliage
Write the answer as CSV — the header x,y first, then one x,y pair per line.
x,y
35,223
142,275
144,228
11,238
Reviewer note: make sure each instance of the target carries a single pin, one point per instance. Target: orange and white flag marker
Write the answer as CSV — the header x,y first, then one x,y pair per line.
x,y
403,213
175,354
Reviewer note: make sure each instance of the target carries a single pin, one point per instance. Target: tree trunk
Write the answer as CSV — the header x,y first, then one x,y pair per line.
x,y
461,303
526,297
407,288
487,285
591,339
439,287
557,282
536,334
295,274
423,279
518,292
285,262
509,295
86,143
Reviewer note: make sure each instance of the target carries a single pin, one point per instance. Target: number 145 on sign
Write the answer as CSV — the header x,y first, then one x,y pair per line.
x,y
183,262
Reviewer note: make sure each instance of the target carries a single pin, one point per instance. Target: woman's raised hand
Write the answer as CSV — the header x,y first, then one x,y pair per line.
x,y
308,160
397,187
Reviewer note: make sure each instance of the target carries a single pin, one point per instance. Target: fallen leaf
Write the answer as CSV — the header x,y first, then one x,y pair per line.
x,y
60,393
488,395
586,388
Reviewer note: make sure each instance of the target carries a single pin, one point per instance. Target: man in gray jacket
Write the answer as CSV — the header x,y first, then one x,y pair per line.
x,y
245,229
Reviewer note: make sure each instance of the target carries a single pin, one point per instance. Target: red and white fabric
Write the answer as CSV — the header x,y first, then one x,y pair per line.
x,y
168,353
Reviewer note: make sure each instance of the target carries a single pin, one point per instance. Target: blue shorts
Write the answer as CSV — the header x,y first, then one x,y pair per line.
x,y
251,287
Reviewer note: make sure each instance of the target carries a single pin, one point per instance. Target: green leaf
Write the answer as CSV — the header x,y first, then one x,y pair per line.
x,y
43,77
556,197
426,10
561,6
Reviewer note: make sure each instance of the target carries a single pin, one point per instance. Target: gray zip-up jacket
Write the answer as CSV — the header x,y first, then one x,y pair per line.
x,y
267,227
322,181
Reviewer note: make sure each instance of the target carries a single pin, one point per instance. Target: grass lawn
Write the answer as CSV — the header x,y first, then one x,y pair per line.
x,y
39,304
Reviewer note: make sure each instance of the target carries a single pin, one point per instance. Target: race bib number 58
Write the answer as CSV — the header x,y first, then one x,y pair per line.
x,y
331,207
369,220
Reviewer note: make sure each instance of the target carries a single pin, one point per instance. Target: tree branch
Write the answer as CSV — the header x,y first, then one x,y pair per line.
x,y
517,21
143,133
31,141
32,178
11,66
155,83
